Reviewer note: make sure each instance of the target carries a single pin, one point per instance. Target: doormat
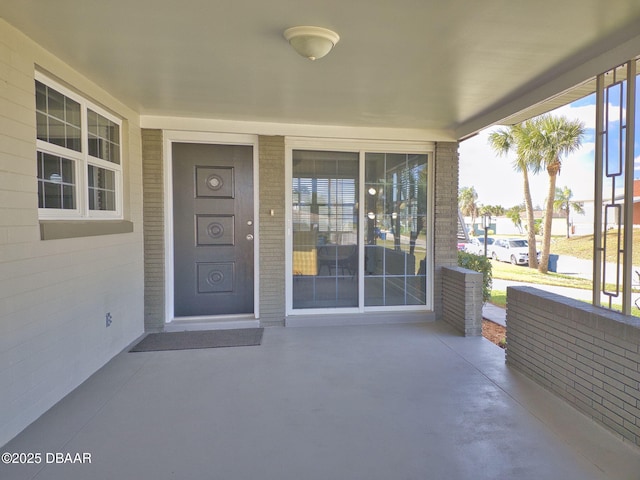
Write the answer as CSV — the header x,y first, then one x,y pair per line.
x,y
240,337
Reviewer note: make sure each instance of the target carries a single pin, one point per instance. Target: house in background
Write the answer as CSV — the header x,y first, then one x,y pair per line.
x,y
170,166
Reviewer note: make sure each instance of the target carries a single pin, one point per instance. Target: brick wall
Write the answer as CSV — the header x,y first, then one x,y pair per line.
x,y
272,230
587,355
153,211
462,299
445,216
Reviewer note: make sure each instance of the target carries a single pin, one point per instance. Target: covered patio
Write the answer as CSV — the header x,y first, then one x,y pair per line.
x,y
407,401
100,106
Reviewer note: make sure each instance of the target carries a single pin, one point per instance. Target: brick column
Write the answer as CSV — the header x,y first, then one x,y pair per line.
x,y
272,230
445,216
153,224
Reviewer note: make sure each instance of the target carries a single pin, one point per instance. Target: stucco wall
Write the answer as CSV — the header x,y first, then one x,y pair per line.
x,y
55,294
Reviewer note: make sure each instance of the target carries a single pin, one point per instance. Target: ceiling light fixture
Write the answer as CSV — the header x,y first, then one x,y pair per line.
x,y
311,42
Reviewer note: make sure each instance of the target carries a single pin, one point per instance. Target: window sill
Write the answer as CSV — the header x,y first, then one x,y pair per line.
x,y
59,229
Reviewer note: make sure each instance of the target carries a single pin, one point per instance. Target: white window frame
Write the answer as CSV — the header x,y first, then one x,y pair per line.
x,y
82,160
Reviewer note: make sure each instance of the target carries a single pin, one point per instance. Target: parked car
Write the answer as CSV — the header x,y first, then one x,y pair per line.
x,y
514,250
476,246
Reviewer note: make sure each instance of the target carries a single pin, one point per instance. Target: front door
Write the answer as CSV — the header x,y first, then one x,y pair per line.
x,y
213,229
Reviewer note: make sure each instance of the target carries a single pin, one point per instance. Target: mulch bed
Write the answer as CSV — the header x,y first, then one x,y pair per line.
x,y
494,333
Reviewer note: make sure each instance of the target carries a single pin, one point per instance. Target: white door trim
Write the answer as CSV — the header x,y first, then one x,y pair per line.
x,y
177,136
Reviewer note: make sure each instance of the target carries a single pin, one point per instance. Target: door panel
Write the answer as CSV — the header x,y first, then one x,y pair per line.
x,y
212,229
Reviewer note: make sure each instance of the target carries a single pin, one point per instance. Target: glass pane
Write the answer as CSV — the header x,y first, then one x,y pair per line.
x,y
67,171
41,120
41,97
56,182
58,118
104,138
55,104
396,209
72,137
101,188
68,197
40,195
72,113
56,132
52,195
325,229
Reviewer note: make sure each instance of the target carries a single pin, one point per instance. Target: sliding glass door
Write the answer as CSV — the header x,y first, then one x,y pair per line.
x,y
358,247
396,220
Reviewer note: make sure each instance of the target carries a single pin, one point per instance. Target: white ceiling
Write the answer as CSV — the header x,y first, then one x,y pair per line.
x,y
451,65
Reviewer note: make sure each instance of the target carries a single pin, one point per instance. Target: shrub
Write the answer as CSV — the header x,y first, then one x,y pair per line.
x,y
478,263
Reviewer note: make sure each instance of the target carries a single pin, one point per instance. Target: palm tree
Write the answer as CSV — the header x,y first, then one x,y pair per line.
x,y
495,210
514,215
564,204
554,138
467,203
518,138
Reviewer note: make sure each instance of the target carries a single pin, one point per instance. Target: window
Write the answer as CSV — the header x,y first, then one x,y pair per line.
x,y
78,156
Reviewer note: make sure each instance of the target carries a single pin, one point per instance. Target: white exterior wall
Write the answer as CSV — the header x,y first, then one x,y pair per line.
x,y
55,294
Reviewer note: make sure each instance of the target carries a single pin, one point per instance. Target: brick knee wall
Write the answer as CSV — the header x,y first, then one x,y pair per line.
x,y
462,299
587,355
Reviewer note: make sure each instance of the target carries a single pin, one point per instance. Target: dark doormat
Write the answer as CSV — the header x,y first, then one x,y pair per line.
x,y
241,337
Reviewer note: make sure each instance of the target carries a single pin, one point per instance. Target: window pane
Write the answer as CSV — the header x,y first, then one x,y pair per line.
x,y
101,189
57,134
56,182
325,229
72,138
396,209
52,195
43,134
41,97
55,104
58,118
104,138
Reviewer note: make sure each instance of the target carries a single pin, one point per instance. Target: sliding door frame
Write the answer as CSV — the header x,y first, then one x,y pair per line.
x,y
361,147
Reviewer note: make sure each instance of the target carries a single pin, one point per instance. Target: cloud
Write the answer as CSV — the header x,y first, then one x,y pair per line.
x,y
587,113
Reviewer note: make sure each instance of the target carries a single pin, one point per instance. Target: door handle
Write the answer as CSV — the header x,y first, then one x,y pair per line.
x,y
249,236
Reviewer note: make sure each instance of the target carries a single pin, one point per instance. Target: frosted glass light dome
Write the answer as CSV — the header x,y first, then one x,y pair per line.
x,y
311,42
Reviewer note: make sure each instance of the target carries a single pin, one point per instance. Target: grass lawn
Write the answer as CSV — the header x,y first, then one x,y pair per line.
x,y
516,273
582,246
499,298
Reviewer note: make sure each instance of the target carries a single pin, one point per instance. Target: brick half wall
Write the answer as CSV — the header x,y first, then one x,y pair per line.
x,y
462,300
587,355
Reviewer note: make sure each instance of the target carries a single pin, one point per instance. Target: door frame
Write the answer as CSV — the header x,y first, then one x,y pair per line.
x,y
361,147
178,136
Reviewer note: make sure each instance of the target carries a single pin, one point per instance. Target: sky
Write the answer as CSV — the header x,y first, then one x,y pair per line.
x,y
497,183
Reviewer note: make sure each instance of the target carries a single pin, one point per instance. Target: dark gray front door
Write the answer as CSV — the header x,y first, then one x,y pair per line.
x,y
213,229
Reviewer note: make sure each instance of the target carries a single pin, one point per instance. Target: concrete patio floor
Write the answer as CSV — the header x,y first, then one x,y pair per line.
x,y
413,401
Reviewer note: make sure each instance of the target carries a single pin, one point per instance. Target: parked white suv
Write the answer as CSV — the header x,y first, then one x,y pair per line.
x,y
514,250
476,246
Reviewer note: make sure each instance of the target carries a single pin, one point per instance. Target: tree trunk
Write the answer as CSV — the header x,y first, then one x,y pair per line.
x,y
531,225
568,223
543,267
